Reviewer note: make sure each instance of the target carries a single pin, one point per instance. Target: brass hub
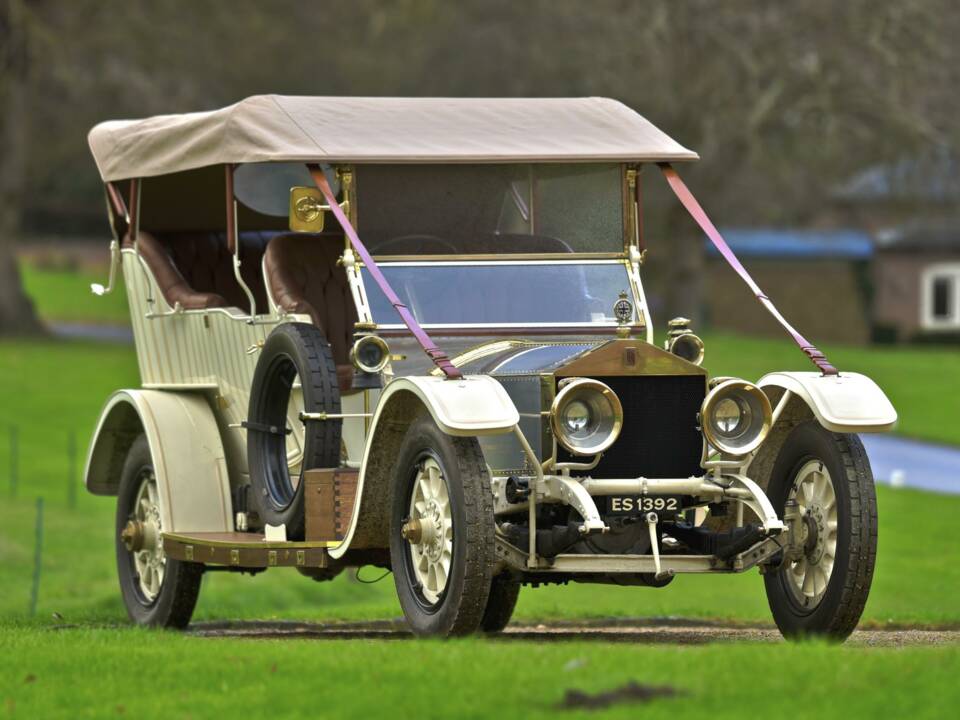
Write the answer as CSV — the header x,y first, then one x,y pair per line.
x,y
132,536
412,532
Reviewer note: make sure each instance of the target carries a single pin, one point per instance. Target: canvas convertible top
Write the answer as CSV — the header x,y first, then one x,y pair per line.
x,y
277,128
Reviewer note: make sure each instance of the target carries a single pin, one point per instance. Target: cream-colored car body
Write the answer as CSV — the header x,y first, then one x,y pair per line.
x,y
197,368
188,457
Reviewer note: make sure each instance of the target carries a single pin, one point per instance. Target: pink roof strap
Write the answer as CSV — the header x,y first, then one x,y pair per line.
x,y
438,356
700,216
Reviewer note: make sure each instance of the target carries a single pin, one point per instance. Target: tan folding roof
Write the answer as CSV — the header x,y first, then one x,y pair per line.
x,y
275,128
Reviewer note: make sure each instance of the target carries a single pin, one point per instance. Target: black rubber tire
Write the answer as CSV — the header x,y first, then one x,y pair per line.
x,y
173,607
839,610
292,350
461,607
504,591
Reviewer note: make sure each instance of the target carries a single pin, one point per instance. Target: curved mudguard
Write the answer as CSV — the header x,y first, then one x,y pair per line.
x,y
468,406
844,403
473,405
188,456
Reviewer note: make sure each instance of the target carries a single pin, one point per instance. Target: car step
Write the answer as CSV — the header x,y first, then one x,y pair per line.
x,y
245,550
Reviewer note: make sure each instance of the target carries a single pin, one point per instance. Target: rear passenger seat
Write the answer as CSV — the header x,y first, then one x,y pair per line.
x,y
196,269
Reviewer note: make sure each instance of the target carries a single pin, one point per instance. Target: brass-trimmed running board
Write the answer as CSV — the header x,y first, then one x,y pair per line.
x,y
244,550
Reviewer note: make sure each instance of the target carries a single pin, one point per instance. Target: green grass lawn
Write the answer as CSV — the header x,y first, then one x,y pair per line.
x,y
64,296
52,389
127,673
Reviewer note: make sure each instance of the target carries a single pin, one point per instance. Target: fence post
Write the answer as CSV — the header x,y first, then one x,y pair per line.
x,y
37,559
72,470
14,460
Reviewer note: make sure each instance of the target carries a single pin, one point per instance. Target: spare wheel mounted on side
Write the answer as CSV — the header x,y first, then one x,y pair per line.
x,y
293,351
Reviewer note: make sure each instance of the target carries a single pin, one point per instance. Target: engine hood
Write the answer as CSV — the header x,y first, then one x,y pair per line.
x,y
577,357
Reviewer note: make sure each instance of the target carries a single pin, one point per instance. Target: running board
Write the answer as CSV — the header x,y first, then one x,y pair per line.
x,y
245,550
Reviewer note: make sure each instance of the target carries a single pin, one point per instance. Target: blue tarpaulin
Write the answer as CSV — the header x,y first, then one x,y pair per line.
x,y
787,243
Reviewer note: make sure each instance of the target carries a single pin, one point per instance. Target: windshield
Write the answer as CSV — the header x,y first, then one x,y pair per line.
x,y
502,293
490,209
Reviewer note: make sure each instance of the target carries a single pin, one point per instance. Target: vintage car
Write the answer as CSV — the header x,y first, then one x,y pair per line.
x,y
412,333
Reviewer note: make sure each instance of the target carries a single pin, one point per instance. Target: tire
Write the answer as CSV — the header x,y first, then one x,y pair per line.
x,y
832,609
504,591
171,604
292,350
455,466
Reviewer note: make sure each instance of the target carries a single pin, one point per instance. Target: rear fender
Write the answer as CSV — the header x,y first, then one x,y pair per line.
x,y
188,456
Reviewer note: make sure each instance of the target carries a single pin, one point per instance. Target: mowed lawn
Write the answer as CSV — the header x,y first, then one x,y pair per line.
x,y
124,673
77,657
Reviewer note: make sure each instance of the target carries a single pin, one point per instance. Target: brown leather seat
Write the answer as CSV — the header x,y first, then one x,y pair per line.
x,y
196,269
304,278
170,280
207,265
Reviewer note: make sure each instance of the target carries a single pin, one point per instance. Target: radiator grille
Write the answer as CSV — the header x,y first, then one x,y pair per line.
x,y
659,436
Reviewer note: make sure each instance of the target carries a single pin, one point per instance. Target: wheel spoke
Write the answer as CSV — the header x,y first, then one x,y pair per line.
x,y
826,567
152,493
425,490
799,570
435,480
430,504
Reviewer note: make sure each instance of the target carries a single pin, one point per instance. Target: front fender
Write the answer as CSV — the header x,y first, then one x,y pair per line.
x,y
844,403
473,405
188,456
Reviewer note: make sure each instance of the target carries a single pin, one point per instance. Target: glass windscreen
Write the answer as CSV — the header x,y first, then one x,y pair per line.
x,y
490,209
501,293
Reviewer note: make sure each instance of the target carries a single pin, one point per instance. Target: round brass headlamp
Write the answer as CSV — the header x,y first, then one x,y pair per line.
x,y
370,354
586,416
687,346
736,417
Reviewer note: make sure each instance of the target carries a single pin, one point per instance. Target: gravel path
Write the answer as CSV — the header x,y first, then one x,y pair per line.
x,y
669,631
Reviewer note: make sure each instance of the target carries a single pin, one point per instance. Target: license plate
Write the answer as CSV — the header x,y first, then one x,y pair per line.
x,y
639,504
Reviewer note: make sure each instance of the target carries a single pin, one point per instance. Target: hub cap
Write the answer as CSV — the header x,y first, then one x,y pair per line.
x,y
813,490
429,530
142,536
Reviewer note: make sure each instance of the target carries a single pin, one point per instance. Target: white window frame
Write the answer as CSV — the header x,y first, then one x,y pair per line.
x,y
951,272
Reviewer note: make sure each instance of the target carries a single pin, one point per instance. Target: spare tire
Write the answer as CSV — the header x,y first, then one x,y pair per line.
x,y
292,350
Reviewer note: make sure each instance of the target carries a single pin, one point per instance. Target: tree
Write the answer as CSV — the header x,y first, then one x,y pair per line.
x,y
780,99
17,315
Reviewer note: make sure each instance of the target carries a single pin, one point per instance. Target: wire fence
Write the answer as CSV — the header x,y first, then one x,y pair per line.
x,y
69,452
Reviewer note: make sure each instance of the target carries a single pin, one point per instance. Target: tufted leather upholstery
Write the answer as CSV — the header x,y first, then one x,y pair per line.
x,y
170,280
196,269
304,278
207,265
